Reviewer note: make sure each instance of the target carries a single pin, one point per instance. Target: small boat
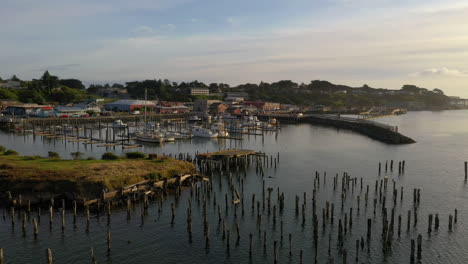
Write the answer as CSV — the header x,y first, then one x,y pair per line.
x,y
119,124
203,132
194,119
273,122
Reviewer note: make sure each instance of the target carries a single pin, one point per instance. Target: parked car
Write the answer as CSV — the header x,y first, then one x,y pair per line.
x,y
136,112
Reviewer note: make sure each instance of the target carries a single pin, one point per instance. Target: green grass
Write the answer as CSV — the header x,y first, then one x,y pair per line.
x,y
112,174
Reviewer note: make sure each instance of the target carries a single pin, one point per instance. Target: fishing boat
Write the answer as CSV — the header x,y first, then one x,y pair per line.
x,y
203,132
119,124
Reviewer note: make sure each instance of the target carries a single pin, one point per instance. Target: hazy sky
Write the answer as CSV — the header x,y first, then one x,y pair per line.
x,y
383,43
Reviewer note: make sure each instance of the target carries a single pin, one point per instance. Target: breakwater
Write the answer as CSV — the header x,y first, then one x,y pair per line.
x,y
374,130
377,131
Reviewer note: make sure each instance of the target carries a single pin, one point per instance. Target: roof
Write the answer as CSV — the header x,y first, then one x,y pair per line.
x,y
131,102
68,108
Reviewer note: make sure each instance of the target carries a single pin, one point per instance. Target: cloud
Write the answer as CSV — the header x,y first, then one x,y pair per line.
x,y
444,71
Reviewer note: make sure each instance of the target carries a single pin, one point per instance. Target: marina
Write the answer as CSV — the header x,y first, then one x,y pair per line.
x,y
298,160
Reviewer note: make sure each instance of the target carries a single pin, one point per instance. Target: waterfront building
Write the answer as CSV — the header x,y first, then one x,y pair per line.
x,y
128,105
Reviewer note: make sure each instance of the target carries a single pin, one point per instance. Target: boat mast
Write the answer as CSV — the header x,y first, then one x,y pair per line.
x,y
146,95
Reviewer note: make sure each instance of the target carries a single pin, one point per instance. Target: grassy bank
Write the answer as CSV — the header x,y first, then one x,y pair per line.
x,y
85,178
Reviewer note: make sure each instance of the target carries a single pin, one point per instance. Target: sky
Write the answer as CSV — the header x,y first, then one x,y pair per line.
x,y
382,43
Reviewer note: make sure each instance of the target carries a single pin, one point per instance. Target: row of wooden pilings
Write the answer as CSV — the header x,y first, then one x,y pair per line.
x,y
265,207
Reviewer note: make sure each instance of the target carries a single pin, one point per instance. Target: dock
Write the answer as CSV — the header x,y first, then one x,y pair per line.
x,y
225,154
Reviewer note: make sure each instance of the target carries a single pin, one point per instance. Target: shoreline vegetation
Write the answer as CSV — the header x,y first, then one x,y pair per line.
x,y
53,90
40,178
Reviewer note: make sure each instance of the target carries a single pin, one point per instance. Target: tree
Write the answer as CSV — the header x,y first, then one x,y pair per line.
x,y
14,78
49,81
7,94
438,91
72,83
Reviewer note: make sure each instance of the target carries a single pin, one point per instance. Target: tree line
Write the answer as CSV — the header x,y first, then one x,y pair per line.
x,y
50,88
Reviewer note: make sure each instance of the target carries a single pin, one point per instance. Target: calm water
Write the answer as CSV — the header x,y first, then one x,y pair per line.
x,y
434,164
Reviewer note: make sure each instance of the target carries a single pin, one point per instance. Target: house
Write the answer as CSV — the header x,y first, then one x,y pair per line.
x,y
199,91
234,110
260,105
236,96
128,105
218,108
89,107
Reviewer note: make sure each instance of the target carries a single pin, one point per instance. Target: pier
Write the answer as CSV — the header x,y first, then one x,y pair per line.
x,y
375,130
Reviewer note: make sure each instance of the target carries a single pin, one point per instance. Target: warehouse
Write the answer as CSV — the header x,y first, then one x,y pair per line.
x,y
128,105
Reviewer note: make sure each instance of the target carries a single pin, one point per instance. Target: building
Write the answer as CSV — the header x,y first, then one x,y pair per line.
x,y
265,106
89,107
128,105
174,109
4,103
203,105
218,108
11,84
199,91
70,111
457,101
25,109
236,96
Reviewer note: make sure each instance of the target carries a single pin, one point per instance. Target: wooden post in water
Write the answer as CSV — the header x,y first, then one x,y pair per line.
x,y
1,256
49,256
419,247
450,223
109,242
466,171
36,230
250,244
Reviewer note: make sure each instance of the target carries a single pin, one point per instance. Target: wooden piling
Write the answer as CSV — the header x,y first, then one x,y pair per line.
x,y
49,256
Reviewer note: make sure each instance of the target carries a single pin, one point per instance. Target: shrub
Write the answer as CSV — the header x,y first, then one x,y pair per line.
x,y
36,157
2,149
11,152
153,176
53,155
135,155
90,158
77,155
109,156
152,156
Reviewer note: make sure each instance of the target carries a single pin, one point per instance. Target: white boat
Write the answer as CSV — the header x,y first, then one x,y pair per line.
x,y
251,121
194,119
149,137
119,124
203,132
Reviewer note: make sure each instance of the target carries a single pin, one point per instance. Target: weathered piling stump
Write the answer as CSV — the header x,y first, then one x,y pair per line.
x,y
49,256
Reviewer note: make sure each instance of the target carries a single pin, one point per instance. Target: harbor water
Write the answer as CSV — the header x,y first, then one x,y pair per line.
x,y
434,165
